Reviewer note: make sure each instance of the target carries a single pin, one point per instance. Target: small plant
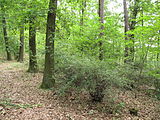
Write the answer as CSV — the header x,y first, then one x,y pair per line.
x,y
97,94
119,107
133,111
8,104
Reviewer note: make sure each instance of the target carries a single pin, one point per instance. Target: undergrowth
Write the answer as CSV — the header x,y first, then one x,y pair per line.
x,y
97,77
94,76
7,103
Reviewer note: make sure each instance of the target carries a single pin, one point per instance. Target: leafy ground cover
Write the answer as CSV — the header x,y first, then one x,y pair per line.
x,y
21,99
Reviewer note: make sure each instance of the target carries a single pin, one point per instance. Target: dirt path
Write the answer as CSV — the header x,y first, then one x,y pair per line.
x,y
21,99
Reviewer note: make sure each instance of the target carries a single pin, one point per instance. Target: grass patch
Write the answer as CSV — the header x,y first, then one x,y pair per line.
x,y
9,104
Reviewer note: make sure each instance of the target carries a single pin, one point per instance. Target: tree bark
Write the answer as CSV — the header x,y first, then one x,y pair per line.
x,y
132,27
4,24
126,29
32,46
48,76
158,42
83,6
101,15
21,47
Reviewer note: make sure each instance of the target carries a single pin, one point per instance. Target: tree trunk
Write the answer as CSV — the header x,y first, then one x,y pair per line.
x,y
82,14
32,46
6,38
48,76
158,42
126,52
132,27
101,15
21,47
83,6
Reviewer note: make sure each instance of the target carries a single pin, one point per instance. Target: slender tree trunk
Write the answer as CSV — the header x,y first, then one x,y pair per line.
x,y
144,58
6,38
48,76
101,15
158,42
126,52
82,14
32,46
21,47
83,6
132,27
142,18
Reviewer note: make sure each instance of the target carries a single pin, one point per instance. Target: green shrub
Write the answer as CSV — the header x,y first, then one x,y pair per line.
x,y
90,74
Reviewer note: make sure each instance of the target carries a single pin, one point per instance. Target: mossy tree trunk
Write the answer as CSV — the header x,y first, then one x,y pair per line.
x,y
32,46
4,23
21,47
134,14
48,76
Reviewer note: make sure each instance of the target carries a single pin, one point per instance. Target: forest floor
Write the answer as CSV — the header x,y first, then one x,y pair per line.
x,y
21,99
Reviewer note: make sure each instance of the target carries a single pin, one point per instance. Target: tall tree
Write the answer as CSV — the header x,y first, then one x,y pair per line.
x,y
158,45
4,24
101,15
126,29
32,45
48,76
134,12
83,6
21,47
